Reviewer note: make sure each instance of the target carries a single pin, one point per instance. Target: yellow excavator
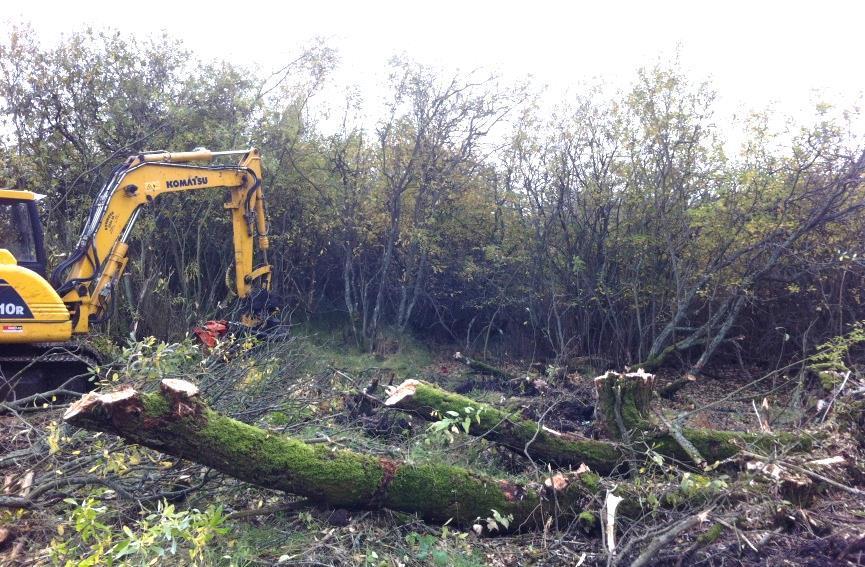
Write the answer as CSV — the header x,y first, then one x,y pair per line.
x,y
40,319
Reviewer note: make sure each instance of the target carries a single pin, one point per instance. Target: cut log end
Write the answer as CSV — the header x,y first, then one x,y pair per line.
x,y
176,387
557,483
93,400
405,390
182,397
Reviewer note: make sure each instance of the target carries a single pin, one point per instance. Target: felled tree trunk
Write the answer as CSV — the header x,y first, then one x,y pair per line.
x,y
528,438
175,421
522,436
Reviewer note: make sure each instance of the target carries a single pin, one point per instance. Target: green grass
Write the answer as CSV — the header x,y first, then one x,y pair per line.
x,y
328,348
253,544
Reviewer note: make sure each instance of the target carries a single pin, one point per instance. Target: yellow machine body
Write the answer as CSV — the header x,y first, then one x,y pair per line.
x,y
39,316
30,309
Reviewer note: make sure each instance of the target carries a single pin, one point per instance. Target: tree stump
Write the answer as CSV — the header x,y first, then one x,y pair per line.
x,y
623,403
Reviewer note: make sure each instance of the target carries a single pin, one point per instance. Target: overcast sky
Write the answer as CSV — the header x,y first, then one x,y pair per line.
x,y
790,54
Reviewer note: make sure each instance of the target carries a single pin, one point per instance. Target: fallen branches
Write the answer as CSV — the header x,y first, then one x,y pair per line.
x,y
482,367
651,550
670,389
675,430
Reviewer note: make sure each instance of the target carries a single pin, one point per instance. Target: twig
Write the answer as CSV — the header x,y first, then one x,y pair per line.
x,y
676,431
12,458
30,500
738,533
763,427
649,552
810,473
835,396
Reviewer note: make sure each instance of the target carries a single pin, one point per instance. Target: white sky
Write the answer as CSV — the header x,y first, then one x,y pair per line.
x,y
754,52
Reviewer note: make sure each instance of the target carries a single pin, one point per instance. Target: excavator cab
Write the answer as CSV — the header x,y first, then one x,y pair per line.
x,y
21,230
31,311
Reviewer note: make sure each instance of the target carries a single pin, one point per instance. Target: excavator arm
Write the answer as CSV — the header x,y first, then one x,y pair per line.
x,y
86,280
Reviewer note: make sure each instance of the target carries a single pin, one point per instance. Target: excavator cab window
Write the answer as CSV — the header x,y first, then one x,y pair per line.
x,y
21,233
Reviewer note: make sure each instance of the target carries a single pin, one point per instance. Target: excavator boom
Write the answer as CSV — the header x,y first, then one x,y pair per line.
x,y
37,316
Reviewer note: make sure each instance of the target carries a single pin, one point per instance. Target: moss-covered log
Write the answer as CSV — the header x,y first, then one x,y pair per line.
x,y
526,437
508,429
176,422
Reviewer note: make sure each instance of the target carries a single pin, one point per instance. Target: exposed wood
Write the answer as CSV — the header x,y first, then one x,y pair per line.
x,y
610,504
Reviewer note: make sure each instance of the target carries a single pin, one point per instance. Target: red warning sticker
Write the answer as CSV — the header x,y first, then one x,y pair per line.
x,y
13,328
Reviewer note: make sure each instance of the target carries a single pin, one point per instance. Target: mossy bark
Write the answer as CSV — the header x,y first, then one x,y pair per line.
x,y
526,437
508,429
176,422
623,403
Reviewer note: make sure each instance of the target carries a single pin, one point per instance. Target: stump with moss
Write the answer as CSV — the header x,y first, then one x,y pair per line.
x,y
624,401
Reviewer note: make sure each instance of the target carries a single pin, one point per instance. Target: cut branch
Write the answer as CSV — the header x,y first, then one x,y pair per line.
x,y
482,367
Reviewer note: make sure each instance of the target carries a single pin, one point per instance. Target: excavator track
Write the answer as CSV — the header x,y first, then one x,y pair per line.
x,y
28,370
